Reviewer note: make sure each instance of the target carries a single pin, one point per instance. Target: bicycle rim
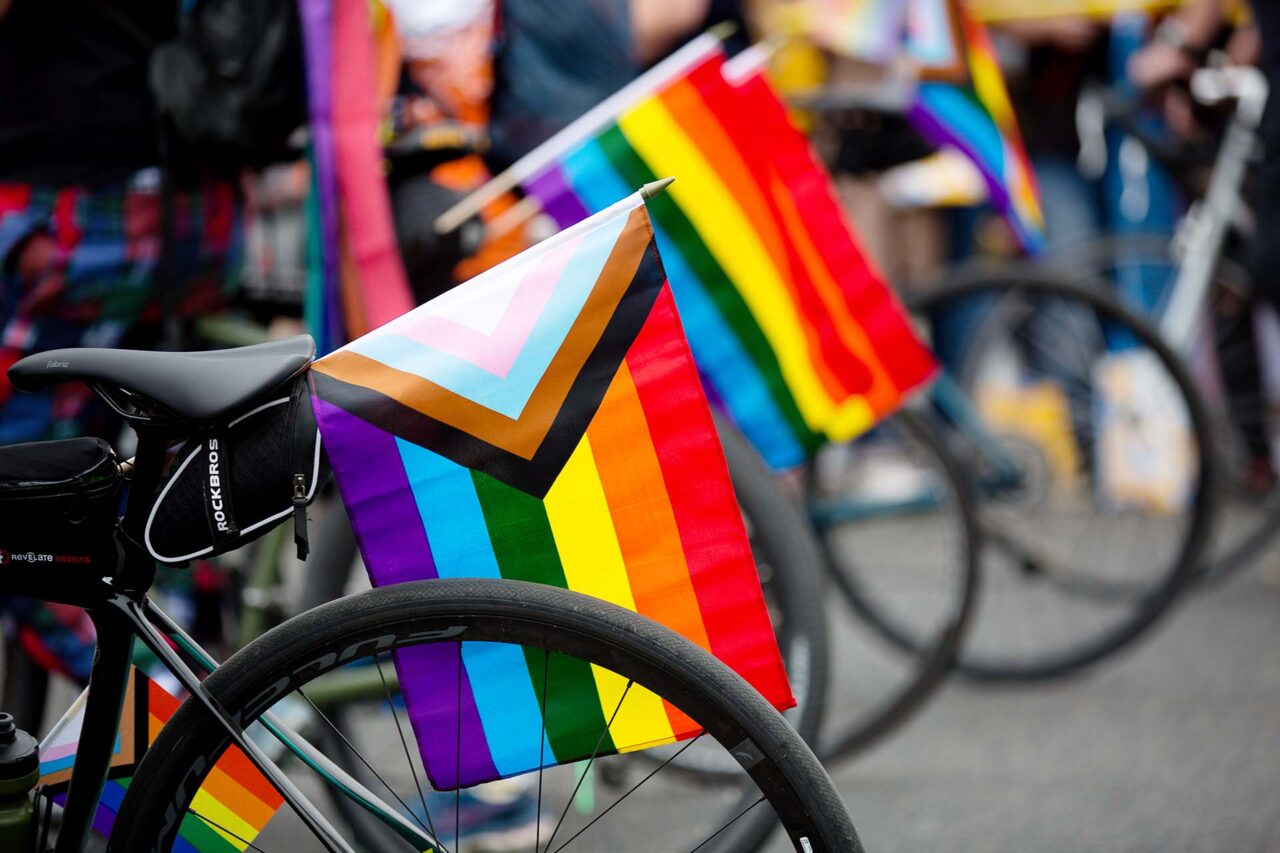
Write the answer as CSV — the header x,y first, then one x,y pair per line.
x,y
568,630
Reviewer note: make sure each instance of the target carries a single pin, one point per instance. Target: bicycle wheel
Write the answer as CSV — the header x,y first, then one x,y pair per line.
x,y
554,625
1088,442
898,528
1227,360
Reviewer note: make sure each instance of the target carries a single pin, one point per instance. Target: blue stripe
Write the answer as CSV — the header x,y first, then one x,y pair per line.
x,y
716,349
112,796
461,547
507,396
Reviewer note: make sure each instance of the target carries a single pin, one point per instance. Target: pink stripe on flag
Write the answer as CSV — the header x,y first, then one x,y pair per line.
x,y
496,351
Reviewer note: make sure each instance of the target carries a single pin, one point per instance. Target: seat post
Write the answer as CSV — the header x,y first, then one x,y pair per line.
x,y
138,569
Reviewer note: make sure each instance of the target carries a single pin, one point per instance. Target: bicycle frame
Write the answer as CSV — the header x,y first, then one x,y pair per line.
x,y
120,611
1204,231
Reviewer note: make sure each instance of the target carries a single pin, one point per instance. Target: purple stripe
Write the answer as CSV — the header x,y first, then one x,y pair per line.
x,y
444,715
559,201
103,819
932,128
317,31
375,490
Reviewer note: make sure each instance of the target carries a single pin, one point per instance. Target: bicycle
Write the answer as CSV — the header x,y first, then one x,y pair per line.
x,y
164,397
1198,289
983,323
1055,390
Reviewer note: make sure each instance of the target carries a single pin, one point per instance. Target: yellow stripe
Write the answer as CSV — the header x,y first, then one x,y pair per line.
x,y
208,806
660,141
593,565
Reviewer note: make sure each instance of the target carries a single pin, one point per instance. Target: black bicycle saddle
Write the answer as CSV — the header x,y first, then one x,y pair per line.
x,y
200,388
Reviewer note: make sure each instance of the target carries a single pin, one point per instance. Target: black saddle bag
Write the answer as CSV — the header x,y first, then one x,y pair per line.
x,y
230,485
59,502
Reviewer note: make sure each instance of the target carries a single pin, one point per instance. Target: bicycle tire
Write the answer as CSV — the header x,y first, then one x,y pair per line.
x,y
933,661
530,615
1231,551
1154,602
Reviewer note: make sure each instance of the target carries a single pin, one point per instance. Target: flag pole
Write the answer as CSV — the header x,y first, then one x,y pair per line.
x,y
530,206
583,127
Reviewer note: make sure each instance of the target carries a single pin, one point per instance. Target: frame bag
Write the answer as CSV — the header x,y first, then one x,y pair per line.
x,y
58,507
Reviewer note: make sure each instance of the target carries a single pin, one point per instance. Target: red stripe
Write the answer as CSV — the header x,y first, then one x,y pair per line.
x,y
721,567
711,111
14,197
8,358
66,231
218,213
808,187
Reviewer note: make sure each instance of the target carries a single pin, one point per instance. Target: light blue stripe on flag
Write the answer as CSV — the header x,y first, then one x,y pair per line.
x,y
507,396
460,545
716,349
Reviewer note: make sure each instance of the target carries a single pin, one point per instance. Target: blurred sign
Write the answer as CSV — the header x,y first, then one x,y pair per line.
x,y
1145,456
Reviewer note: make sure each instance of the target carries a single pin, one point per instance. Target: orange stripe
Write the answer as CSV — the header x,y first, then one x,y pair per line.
x,y
237,765
685,102
234,781
154,725
643,520
236,797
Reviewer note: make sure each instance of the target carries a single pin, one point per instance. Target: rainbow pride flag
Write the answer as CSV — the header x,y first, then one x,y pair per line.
x,y
227,814
544,422
794,331
356,281
962,102
870,30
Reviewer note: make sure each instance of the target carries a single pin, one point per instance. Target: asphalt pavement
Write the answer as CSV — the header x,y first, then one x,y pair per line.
x,y
1173,746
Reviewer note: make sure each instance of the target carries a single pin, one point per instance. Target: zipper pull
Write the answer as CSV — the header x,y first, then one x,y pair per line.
x,y
300,515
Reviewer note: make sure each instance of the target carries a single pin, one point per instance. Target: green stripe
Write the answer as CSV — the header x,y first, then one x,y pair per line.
x,y
203,837
526,550
713,279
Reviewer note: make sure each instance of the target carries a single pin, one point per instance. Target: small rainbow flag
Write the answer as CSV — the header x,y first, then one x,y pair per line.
x,y
870,30
230,810
544,422
794,330
961,101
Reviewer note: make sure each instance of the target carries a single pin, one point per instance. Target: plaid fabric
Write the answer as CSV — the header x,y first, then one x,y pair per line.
x,y
77,268
58,637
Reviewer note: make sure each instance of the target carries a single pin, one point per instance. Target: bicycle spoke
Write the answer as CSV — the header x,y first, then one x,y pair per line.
x,y
351,747
404,745
629,792
457,763
730,823
213,823
590,761
542,745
